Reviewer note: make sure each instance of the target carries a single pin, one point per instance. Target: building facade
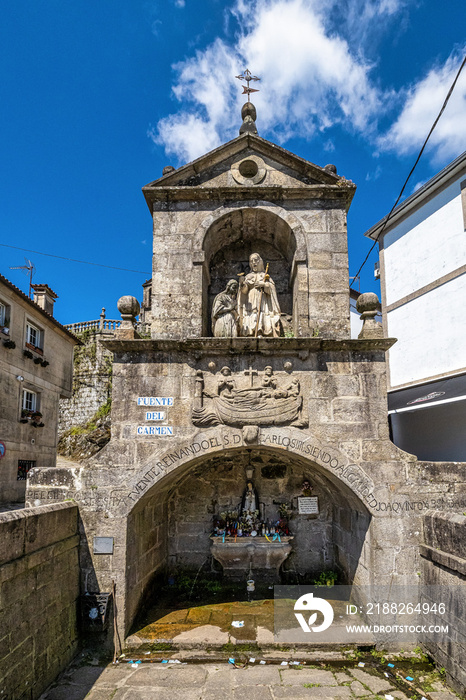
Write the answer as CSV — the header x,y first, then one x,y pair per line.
x,y
36,368
249,390
423,283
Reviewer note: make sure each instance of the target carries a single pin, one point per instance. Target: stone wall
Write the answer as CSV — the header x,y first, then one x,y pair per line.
x,y
443,558
39,587
217,486
92,382
147,540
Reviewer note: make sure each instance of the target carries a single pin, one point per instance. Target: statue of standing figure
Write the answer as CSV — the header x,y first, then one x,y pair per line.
x,y
258,307
224,312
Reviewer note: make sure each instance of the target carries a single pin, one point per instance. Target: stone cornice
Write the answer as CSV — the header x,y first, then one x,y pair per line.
x,y
164,195
199,347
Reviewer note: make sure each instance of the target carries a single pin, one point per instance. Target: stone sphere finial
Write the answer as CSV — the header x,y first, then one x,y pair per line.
x,y
128,306
368,305
367,302
249,115
248,110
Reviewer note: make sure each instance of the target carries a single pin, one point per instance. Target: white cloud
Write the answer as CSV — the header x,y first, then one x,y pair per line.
x,y
155,28
374,175
311,78
422,104
180,3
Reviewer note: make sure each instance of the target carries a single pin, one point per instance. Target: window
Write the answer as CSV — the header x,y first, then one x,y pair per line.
x,y
30,402
4,315
24,465
34,336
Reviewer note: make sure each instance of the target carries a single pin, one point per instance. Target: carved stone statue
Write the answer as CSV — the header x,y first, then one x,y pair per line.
x,y
258,307
268,380
224,312
227,400
250,500
226,384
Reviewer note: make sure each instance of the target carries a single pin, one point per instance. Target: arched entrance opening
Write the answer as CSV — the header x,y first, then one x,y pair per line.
x,y
169,530
230,240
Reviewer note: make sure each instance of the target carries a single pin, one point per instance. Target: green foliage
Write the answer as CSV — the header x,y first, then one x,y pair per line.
x,y
229,647
326,578
421,658
104,410
311,685
162,646
91,425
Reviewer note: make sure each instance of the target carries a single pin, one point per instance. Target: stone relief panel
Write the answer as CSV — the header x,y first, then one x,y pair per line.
x,y
251,398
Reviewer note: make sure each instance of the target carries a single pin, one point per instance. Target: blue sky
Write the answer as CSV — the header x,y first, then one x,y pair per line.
x,y
96,98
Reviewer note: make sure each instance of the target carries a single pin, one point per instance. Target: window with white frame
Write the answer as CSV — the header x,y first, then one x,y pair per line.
x,y
4,314
30,400
34,336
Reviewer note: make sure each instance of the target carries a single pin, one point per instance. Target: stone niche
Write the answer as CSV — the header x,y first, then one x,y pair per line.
x,y
319,541
228,245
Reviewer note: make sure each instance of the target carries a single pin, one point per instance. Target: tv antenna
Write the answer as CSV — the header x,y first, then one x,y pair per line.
x,y
30,268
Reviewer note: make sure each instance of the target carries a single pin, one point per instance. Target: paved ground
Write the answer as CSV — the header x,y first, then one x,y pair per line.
x,y
221,680
213,625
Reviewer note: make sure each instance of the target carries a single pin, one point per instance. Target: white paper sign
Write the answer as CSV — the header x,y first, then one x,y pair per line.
x,y
308,505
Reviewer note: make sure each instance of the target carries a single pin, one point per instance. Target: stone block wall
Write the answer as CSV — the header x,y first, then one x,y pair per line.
x,y
92,382
147,541
39,588
443,557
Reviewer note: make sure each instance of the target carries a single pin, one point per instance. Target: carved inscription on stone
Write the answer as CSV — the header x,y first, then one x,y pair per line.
x,y
252,398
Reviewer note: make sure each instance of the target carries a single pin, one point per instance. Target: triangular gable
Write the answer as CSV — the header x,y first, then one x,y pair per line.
x,y
189,173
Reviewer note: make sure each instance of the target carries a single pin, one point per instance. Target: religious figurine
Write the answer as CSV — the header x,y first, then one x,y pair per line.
x,y
258,307
224,312
226,384
268,380
307,488
250,500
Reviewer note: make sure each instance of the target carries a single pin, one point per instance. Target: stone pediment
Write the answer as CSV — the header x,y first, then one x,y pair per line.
x,y
246,161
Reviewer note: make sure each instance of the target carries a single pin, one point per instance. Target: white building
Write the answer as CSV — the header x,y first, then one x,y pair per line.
x,y
423,286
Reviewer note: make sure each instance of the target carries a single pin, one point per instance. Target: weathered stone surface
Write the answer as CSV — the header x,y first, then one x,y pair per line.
x,y
39,587
443,575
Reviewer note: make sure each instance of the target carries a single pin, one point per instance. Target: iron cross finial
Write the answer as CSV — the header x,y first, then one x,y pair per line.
x,y
247,76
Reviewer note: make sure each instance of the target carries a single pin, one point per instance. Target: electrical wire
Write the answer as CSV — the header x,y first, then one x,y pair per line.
x,y
83,262
387,218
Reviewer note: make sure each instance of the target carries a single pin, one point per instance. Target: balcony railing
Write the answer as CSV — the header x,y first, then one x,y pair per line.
x,y
104,325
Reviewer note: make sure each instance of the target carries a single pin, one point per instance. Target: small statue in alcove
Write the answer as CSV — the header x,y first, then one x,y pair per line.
x,y
250,503
258,307
224,312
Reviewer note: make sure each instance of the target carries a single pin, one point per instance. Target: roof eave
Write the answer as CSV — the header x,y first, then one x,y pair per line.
x,y
36,307
414,200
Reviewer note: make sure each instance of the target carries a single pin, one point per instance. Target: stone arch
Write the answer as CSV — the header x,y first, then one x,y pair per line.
x,y
226,238
200,234
177,472
221,439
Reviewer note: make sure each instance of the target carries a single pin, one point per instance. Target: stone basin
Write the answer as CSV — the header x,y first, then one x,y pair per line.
x,y
263,556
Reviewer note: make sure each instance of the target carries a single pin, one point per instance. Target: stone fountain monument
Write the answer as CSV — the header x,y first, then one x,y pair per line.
x,y
250,366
